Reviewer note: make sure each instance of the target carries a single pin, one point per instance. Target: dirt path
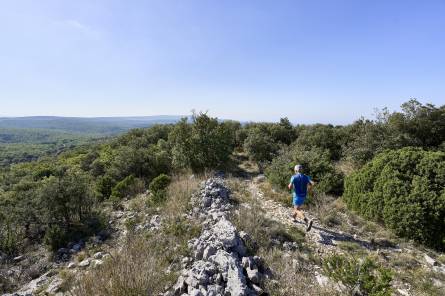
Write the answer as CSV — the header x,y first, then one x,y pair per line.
x,y
324,239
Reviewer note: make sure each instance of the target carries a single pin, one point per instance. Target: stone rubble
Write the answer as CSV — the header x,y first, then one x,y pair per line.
x,y
219,265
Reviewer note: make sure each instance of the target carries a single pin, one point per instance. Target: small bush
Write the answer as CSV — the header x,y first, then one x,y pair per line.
x,y
55,237
158,187
9,239
129,186
159,183
364,275
404,189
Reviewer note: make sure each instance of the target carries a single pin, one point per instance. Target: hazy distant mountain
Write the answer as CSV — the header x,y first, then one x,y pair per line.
x,y
86,125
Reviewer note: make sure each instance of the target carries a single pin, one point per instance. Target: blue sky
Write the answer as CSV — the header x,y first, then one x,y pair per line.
x,y
312,61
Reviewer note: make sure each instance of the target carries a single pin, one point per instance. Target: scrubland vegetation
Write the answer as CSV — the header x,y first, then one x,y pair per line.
x,y
142,264
20,145
390,170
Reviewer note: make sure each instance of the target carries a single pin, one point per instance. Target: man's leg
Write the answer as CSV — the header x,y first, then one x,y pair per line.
x,y
298,212
307,222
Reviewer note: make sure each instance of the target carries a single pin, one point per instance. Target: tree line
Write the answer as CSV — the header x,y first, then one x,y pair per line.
x,y
58,199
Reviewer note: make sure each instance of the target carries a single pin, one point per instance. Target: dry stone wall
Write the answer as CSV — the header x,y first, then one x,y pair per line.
x,y
219,265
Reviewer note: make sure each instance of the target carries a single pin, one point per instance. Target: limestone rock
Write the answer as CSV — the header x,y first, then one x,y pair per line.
x,y
98,255
430,260
84,263
54,286
71,265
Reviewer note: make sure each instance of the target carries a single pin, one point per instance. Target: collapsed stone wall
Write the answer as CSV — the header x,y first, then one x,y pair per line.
x,y
219,263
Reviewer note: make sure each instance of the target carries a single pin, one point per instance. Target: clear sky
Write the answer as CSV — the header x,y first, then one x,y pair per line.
x,y
312,61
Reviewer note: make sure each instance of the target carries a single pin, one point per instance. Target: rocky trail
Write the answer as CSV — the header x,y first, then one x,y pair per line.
x,y
325,241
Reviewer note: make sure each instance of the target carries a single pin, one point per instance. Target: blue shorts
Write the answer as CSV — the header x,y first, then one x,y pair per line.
x,y
298,200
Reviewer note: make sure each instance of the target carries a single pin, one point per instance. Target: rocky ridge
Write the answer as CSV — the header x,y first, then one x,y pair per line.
x,y
219,264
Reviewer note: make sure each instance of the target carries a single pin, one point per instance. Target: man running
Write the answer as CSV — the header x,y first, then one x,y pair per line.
x,y
300,183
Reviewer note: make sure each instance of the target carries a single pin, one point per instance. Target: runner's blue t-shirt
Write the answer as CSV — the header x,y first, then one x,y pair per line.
x,y
300,182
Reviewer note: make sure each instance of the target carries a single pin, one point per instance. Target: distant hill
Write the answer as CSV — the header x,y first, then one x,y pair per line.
x,y
102,126
28,138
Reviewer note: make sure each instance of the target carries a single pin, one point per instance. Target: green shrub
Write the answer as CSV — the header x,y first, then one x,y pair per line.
x,y
128,187
9,238
404,189
55,237
364,275
158,187
104,186
159,183
316,163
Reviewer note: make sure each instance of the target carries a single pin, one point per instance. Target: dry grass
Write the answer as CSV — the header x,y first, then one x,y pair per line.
x,y
137,270
292,275
281,196
423,281
140,267
239,191
179,193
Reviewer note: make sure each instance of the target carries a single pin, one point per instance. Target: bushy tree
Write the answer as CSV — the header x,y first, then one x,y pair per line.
x,y
362,140
231,128
259,146
180,139
325,137
416,125
283,132
67,204
316,163
261,141
424,125
67,197
203,144
404,189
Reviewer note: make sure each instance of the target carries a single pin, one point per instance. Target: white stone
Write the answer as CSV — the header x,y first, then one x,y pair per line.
x,y
98,255
403,292
84,263
71,265
253,275
322,280
96,262
430,260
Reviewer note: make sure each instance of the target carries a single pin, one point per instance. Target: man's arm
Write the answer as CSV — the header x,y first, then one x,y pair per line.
x,y
310,185
290,186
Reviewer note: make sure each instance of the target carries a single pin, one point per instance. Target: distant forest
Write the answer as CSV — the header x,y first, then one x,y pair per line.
x,y
28,138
